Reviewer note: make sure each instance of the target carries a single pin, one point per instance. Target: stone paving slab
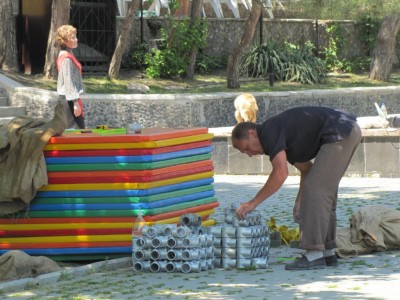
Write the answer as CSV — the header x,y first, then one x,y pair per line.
x,y
373,276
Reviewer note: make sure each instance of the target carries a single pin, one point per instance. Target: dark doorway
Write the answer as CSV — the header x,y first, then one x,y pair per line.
x,y
95,21
33,30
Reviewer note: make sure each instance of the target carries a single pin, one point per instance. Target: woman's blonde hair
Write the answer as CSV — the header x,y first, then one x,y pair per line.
x,y
64,33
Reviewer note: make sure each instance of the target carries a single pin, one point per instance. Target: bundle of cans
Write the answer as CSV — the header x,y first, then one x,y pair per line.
x,y
241,243
173,248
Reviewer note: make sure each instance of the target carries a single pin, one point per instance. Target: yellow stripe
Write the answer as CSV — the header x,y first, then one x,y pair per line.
x,y
209,222
149,144
125,185
50,226
86,238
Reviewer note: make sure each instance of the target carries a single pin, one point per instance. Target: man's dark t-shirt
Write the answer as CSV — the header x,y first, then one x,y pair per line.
x,y
301,131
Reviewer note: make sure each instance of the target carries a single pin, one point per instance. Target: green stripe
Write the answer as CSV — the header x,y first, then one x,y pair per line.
x,y
111,131
122,200
115,213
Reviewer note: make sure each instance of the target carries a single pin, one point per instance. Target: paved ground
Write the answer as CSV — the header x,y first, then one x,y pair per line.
x,y
374,276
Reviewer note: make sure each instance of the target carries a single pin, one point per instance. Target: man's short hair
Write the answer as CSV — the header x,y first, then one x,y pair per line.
x,y
241,130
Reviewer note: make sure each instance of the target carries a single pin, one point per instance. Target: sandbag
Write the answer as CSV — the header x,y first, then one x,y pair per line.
x,y
372,228
16,264
22,165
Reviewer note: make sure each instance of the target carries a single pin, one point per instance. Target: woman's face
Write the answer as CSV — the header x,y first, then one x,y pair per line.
x,y
72,42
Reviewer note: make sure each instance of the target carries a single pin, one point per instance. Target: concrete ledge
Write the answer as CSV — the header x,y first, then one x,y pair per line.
x,y
375,132
51,278
8,83
377,155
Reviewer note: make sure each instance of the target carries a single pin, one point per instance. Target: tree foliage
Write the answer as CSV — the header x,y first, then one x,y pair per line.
x,y
342,9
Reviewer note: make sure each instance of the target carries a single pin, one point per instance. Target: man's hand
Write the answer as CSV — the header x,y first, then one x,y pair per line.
x,y
274,182
244,209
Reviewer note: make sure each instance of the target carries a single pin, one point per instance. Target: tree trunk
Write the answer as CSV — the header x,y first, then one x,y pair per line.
x,y
59,16
194,17
382,59
247,38
8,41
115,64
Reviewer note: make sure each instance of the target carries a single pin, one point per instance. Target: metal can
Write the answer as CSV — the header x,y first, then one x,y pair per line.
x,y
135,128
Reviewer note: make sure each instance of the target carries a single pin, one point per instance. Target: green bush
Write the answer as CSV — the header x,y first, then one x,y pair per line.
x,y
356,65
165,63
302,65
180,37
332,54
206,63
137,56
370,28
287,62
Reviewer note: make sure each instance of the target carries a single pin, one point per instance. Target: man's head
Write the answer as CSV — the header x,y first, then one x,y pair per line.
x,y
245,139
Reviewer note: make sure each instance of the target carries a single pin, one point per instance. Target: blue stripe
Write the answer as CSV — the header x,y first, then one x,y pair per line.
x,y
129,206
126,193
127,159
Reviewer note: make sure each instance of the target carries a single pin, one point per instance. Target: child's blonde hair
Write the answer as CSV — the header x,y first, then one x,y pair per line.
x,y
64,33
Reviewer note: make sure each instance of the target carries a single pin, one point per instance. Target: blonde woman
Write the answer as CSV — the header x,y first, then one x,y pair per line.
x,y
69,82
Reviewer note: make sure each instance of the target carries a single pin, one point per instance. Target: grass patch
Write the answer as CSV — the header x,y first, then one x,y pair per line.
x,y
210,83
358,263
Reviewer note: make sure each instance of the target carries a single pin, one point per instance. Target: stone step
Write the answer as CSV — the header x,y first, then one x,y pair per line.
x,y
3,101
5,120
12,111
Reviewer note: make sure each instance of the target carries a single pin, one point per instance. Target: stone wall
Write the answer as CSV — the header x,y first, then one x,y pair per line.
x,y
202,110
224,34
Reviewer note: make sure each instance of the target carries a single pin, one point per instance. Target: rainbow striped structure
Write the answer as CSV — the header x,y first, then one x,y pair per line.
x,y
99,181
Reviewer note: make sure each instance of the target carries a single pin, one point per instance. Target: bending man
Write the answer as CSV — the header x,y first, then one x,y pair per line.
x,y
298,136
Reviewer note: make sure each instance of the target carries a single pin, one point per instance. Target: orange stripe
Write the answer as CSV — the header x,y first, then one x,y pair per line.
x,y
64,245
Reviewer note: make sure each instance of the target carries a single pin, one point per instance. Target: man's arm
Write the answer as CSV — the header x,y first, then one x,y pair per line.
x,y
274,182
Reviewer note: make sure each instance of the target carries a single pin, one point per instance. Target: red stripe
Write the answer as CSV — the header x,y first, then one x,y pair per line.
x,y
158,217
130,179
125,152
153,172
17,246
